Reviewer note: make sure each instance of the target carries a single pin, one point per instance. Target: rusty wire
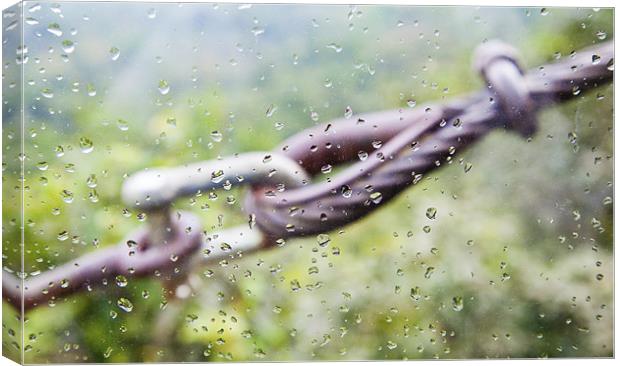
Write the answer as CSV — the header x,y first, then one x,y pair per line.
x,y
398,147
417,141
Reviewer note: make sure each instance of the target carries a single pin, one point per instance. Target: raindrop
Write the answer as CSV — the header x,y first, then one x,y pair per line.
x,y
91,181
376,197
86,145
323,240
122,124
163,87
544,11
457,303
54,29
62,236
257,31
217,176
572,137
68,46
416,293
601,35
90,90
47,93
348,112
216,136
42,165
334,47
114,53
124,304
431,213
67,196
429,272
596,59
121,281
151,13
271,110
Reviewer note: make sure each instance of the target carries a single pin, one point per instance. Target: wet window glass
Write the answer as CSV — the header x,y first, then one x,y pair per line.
x,y
241,182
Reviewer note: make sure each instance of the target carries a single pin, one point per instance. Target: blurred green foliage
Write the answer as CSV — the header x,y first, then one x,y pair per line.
x,y
508,269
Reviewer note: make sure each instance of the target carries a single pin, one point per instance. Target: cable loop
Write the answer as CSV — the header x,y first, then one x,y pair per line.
x,y
498,63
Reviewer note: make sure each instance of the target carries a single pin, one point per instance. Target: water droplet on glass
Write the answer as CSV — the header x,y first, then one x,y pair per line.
x,y
376,197
257,31
163,87
216,136
271,110
348,112
544,11
323,240
596,59
431,213
54,29
67,196
121,281
86,145
217,176
114,53
47,93
416,293
59,150
151,13
601,35
68,46
91,181
457,303
124,304
572,137
334,47
62,236
42,165
122,124
429,272
91,90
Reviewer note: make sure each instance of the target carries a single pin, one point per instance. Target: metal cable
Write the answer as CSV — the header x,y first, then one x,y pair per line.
x,y
396,148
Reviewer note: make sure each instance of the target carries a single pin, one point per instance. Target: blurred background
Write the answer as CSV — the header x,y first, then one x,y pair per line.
x,y
517,262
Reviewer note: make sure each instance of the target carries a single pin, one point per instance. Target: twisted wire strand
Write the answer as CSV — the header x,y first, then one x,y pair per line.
x,y
437,133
